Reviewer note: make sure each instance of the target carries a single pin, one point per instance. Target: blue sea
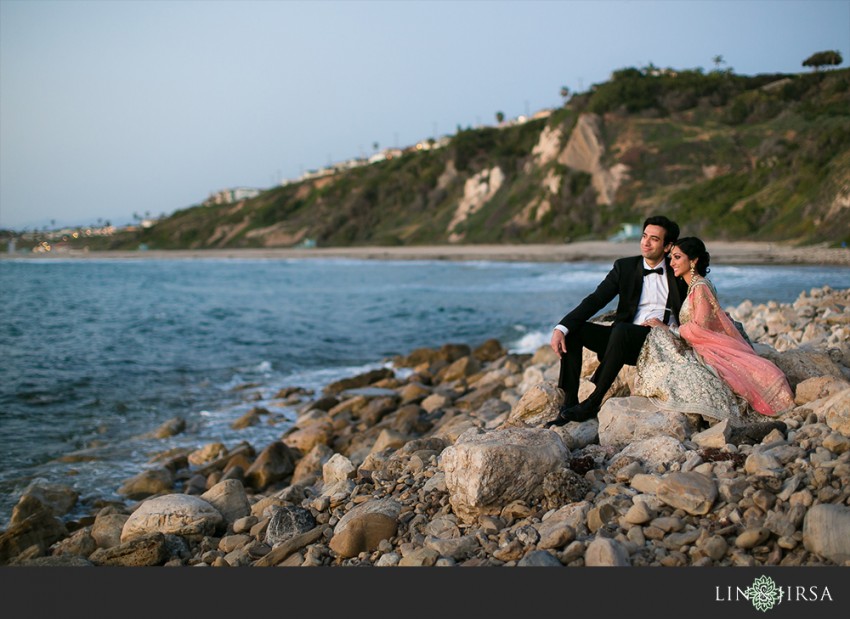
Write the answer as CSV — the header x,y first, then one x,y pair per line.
x,y
95,353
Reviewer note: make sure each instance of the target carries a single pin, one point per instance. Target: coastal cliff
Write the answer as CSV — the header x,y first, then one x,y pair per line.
x,y
729,157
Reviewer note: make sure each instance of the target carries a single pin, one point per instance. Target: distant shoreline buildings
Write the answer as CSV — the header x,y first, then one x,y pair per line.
x,y
237,194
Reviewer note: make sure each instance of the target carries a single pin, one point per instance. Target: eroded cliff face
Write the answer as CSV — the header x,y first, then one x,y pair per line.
x,y
584,152
477,191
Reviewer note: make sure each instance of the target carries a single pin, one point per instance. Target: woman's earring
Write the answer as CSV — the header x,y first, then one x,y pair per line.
x,y
692,269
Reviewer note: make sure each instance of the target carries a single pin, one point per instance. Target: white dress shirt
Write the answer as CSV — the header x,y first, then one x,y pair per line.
x,y
653,298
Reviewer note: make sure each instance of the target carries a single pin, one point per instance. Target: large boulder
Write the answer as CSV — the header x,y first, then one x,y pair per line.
x,y
177,514
622,421
485,472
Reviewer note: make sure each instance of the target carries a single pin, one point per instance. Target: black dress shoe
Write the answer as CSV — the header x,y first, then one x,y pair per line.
x,y
580,412
586,410
560,420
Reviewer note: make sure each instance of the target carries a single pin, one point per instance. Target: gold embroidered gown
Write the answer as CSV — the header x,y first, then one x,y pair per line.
x,y
709,369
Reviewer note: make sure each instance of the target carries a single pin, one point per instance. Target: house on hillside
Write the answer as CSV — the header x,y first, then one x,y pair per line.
x,y
229,196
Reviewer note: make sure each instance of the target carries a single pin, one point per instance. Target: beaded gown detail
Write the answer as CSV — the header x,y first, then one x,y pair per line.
x,y
709,369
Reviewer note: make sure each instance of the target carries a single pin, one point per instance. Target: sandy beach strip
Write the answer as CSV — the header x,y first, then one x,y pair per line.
x,y
722,252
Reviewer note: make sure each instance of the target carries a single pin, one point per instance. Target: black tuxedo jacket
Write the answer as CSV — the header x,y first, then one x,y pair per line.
x,y
626,281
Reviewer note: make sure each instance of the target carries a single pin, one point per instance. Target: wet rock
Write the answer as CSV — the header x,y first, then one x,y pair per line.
x,y
251,418
490,350
275,463
207,453
361,380
465,366
172,427
57,499
148,483
40,529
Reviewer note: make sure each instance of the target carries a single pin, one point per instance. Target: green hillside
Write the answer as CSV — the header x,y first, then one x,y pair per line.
x,y
729,157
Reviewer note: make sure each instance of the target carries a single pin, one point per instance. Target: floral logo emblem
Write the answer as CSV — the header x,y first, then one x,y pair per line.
x,y
764,594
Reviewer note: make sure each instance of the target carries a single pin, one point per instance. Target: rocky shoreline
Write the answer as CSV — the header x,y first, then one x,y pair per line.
x,y
443,460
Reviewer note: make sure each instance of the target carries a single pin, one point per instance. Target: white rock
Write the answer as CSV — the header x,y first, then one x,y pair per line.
x,y
179,514
623,421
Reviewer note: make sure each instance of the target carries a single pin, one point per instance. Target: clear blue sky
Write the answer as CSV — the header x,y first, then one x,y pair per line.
x,y
114,108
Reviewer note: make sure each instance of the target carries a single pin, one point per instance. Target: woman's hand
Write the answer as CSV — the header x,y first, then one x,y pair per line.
x,y
654,322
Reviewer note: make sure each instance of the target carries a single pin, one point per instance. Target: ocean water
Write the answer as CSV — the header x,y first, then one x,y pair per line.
x,y
96,353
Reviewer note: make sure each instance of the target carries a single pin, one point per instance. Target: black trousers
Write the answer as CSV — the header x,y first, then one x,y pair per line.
x,y
615,345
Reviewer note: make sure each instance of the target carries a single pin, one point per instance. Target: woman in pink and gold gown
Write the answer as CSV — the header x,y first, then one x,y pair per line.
x,y
684,378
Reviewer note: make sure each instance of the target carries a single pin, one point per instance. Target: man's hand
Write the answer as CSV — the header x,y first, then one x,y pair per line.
x,y
558,342
654,322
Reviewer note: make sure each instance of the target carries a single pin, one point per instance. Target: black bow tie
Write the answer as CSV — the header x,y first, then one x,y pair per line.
x,y
658,270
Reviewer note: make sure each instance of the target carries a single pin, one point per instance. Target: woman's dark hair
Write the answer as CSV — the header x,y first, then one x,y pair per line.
x,y
695,249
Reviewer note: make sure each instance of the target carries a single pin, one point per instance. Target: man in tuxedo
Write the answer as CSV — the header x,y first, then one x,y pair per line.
x,y
647,289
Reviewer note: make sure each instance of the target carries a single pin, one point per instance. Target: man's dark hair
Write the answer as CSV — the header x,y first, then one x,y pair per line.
x,y
671,228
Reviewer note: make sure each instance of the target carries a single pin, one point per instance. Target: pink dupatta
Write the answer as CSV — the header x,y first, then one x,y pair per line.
x,y
711,334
